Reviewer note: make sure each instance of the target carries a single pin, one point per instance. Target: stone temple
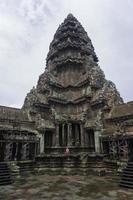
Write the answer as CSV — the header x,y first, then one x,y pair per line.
x,y
74,121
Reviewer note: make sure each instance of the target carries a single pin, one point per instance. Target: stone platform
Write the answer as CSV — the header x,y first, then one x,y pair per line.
x,y
66,164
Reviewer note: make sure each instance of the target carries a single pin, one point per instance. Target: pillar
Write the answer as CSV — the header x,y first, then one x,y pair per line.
x,y
57,135
82,135
63,131
69,131
42,143
8,151
76,134
97,140
25,151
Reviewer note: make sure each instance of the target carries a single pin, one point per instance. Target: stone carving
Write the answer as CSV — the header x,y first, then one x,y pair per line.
x,y
43,81
31,98
99,121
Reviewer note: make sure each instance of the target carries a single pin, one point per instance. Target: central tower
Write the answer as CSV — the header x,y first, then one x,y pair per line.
x,y
72,95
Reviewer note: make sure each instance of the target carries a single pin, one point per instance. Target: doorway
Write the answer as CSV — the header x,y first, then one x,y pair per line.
x,y
48,137
90,140
130,150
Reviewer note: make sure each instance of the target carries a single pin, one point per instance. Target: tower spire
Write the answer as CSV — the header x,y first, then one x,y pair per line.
x,y
70,37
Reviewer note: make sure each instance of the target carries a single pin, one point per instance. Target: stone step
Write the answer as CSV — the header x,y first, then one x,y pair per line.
x,y
126,185
127,182
126,171
66,166
4,170
5,180
129,167
5,174
2,167
127,175
130,163
61,171
9,182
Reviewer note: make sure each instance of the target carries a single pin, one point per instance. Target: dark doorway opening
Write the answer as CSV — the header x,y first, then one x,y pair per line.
x,y
63,134
76,134
31,151
2,150
48,138
90,141
14,151
130,151
19,151
105,145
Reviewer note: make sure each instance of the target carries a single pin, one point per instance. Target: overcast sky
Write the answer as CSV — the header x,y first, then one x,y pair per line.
x,y
27,28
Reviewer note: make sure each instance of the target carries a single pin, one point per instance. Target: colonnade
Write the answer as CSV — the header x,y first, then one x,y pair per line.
x,y
17,146
70,134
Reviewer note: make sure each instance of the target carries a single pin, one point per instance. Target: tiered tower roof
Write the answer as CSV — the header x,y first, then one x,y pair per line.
x,y
70,35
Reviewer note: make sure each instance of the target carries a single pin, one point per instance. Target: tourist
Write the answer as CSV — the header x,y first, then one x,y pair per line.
x,y
67,151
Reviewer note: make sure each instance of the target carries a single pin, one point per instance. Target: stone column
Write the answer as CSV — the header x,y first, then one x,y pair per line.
x,y
8,151
53,138
25,151
69,131
42,142
63,131
77,132
57,135
97,140
82,134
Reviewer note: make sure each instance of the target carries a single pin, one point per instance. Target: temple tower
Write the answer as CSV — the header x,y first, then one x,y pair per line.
x,y
72,95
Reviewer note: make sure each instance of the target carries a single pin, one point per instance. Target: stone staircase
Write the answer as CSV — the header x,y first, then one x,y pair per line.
x,y
5,174
127,176
12,171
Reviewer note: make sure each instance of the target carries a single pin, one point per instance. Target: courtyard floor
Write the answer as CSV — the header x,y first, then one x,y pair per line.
x,y
65,188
